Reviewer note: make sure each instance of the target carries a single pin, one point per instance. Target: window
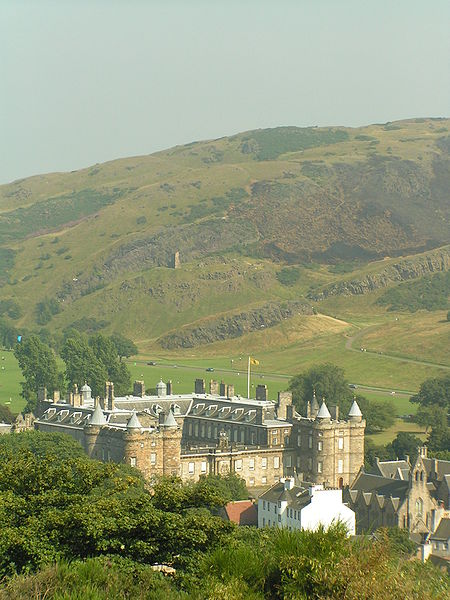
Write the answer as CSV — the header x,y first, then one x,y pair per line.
x,y
238,464
133,461
153,458
276,462
251,464
310,441
191,468
235,435
299,440
340,443
196,429
319,466
340,466
279,518
274,440
264,521
299,462
310,464
263,480
419,507
264,463
275,508
288,461
264,505
203,467
252,481
319,445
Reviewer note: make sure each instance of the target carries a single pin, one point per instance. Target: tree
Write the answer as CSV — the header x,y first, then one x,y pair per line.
x,y
38,364
434,392
125,347
118,372
405,444
327,380
379,414
6,415
82,365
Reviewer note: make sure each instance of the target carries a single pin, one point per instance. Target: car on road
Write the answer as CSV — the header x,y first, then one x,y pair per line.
x,y
210,369
151,363
352,385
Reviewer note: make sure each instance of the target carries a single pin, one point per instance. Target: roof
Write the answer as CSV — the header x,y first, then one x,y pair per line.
x,y
443,530
393,469
170,420
443,467
134,422
366,482
323,413
98,418
355,411
242,512
297,497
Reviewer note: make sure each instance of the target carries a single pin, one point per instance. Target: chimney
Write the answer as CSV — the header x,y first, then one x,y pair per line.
x,y
308,410
230,390
76,396
284,400
288,483
56,396
169,387
261,392
109,395
334,410
213,388
139,389
222,389
199,386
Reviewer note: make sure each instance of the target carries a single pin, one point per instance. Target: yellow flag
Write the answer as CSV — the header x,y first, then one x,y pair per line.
x,y
253,361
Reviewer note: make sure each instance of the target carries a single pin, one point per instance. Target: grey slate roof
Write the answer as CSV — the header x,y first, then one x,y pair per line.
x,y
389,468
134,422
323,413
296,498
98,418
355,411
443,530
366,482
170,421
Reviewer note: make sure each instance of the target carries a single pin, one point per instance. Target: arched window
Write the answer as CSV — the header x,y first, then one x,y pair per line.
x,y
419,507
417,475
421,475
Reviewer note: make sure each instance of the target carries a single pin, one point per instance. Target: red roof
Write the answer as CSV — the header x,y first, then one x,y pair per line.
x,y
242,512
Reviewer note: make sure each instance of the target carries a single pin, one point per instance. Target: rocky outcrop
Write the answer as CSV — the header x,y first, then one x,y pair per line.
x,y
404,270
234,326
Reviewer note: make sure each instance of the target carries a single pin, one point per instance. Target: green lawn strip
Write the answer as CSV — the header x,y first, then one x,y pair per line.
x,y
384,437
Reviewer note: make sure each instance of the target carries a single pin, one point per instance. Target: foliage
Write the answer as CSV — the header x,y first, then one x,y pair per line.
x,y
57,446
434,392
429,293
372,452
379,414
46,309
83,365
124,346
273,142
53,212
39,368
10,308
106,351
288,275
6,415
8,334
405,444
434,406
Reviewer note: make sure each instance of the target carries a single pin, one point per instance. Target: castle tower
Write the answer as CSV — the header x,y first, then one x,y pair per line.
x,y
92,431
171,445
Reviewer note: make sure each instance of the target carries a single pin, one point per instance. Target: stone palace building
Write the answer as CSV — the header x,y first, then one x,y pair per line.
x,y
214,431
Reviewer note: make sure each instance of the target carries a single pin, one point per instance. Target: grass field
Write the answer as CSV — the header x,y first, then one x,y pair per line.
x,y
10,376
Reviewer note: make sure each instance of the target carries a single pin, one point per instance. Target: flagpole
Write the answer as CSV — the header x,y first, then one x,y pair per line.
x,y
248,378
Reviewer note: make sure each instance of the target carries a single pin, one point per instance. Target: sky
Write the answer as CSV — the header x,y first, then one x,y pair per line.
x,y
86,81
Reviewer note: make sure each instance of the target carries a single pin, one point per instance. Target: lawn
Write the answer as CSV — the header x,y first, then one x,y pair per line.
x,y
383,438
10,376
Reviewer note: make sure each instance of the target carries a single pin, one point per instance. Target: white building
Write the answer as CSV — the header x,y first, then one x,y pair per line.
x,y
293,507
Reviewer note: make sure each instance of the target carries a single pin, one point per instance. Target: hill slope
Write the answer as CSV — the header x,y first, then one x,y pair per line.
x,y
331,202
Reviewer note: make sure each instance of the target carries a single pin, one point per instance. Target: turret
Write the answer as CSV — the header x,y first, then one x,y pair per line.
x,y
324,413
161,388
355,413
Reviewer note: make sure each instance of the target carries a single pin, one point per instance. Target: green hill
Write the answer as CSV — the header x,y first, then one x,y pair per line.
x,y
266,222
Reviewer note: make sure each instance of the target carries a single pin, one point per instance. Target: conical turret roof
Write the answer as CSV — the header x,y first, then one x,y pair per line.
x,y
98,417
355,411
170,420
134,422
323,413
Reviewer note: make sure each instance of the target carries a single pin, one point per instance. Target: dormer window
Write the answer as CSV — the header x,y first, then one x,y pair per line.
x,y
156,408
224,412
75,417
62,414
198,408
250,415
175,409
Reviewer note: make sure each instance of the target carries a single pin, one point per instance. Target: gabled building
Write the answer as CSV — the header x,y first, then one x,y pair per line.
x,y
401,494
286,505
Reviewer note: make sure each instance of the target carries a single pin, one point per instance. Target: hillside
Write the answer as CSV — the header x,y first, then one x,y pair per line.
x,y
269,224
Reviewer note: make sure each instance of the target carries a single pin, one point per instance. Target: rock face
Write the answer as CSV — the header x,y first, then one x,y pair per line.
x,y
234,326
434,262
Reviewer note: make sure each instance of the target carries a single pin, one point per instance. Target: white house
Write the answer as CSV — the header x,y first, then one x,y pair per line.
x,y
293,507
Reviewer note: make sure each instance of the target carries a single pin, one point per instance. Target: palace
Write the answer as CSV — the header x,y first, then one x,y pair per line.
x,y
211,432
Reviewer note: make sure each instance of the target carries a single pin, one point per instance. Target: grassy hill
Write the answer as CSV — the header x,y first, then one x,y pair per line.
x,y
266,222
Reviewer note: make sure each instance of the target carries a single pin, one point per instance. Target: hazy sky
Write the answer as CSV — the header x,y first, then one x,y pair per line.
x,y
88,81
